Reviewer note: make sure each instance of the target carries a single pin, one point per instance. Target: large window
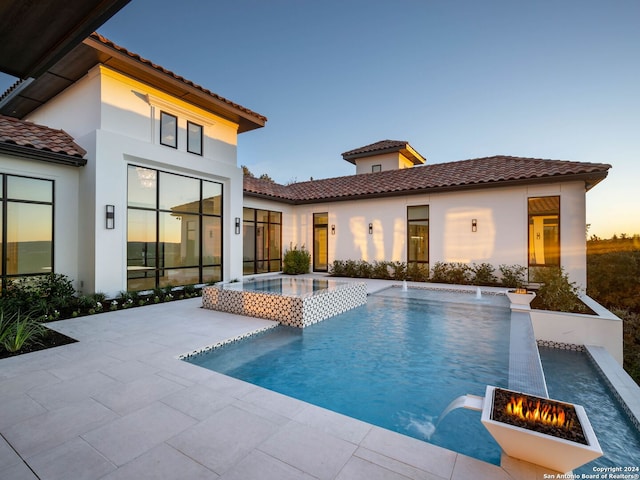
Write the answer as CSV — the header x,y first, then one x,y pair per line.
x,y
418,235
261,240
174,229
26,226
544,233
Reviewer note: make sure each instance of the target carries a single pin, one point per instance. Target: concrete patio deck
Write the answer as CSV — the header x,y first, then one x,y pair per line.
x,y
118,404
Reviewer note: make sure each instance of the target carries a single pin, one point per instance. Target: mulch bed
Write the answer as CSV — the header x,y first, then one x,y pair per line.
x,y
52,339
573,432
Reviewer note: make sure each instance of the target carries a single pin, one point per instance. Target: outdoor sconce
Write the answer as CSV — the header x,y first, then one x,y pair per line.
x,y
110,217
333,229
237,225
370,228
474,225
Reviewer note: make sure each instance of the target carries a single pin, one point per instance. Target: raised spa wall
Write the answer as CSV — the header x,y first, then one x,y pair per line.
x,y
294,311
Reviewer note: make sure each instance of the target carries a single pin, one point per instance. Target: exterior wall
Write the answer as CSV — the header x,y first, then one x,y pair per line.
x,y
501,216
66,200
116,119
388,161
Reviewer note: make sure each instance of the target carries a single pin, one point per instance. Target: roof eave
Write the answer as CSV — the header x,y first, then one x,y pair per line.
x,y
246,122
31,153
264,196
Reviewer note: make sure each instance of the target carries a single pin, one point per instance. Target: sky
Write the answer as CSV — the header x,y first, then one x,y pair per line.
x,y
457,79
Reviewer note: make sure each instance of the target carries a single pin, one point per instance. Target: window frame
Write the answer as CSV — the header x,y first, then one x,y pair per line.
x,y
174,144
532,267
5,200
189,136
376,168
409,222
158,248
271,261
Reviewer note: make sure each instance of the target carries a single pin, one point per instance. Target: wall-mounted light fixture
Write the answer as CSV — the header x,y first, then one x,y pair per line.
x,y
333,229
110,217
370,228
474,225
237,225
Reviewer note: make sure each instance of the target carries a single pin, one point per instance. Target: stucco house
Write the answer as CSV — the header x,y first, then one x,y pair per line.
x,y
145,189
497,210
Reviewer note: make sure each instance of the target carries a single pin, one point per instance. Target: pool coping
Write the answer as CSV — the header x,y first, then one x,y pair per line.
x,y
626,391
150,341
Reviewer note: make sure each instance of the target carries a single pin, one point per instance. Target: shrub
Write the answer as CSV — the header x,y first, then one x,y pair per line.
x,y
556,292
296,261
417,272
42,296
380,270
350,268
631,336
337,269
363,269
613,279
456,273
513,276
399,270
483,274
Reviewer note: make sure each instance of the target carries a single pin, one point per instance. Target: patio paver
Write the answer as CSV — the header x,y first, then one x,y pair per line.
x,y
119,404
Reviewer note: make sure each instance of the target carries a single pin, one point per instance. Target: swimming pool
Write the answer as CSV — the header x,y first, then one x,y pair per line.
x,y
571,377
396,362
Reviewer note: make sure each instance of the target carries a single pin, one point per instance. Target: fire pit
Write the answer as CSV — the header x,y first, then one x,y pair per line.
x,y
553,434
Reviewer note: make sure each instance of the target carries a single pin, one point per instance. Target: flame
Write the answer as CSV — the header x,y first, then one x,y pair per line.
x,y
537,411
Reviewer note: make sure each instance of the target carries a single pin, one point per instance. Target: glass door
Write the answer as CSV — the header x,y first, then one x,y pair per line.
x,y
320,242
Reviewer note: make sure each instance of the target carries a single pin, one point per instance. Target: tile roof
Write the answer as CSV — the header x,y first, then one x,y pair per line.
x,y
385,146
374,147
475,173
27,95
38,137
106,41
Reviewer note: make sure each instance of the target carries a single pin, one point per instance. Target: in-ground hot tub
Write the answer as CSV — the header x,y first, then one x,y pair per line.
x,y
292,301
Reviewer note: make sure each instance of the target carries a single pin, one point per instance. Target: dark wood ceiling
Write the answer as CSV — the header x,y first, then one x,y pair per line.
x,y
35,34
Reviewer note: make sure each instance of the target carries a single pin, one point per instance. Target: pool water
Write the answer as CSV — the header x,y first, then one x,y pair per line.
x,y
396,362
571,377
285,285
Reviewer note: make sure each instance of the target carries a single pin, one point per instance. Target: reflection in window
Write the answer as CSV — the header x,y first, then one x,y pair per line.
x,y
27,226
194,138
177,239
418,235
544,233
262,238
168,130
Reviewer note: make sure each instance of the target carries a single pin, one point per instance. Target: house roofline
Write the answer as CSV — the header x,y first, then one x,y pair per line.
x,y
590,180
31,153
22,98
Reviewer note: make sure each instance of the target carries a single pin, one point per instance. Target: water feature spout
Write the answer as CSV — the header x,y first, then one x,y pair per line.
x,y
470,402
404,285
478,293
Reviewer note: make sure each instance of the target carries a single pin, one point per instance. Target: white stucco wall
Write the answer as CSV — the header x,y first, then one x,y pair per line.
x,y
116,119
66,200
387,161
501,216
